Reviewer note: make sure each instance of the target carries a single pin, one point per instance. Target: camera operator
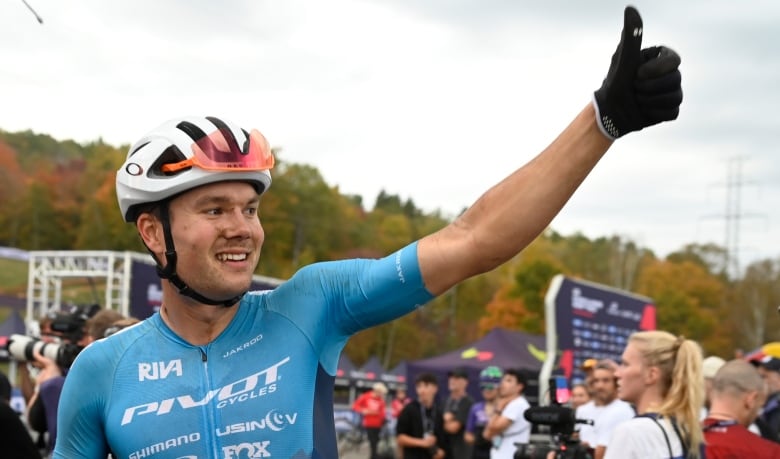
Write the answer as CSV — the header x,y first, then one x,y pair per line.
x,y
77,328
508,425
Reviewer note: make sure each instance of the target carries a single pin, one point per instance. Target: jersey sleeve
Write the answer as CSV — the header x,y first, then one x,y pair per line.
x,y
331,301
80,420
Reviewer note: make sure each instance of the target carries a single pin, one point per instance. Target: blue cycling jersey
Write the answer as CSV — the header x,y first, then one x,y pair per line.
x,y
262,388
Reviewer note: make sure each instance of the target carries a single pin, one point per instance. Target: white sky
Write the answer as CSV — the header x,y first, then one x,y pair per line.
x,y
433,100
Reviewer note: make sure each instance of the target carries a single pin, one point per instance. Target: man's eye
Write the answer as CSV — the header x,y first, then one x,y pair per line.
x,y
214,211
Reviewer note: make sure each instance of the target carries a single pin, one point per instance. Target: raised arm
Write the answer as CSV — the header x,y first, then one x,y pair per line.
x,y
642,88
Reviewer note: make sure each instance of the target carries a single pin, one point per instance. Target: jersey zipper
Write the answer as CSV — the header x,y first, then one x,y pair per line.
x,y
209,415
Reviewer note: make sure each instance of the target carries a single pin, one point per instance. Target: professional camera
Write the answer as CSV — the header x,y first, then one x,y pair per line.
x,y
68,325
22,348
560,421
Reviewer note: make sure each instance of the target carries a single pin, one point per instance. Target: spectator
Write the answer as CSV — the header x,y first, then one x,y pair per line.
x,y
456,413
508,426
737,394
120,324
17,443
587,368
579,395
481,412
371,406
768,362
610,410
709,367
660,374
85,325
420,428
97,325
400,400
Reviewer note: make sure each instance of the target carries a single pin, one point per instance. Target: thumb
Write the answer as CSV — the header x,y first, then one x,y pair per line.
x,y
631,39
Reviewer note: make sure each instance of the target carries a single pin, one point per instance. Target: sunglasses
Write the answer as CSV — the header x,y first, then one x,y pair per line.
x,y
213,153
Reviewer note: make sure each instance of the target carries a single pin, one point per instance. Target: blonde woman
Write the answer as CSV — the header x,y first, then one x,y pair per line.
x,y
661,375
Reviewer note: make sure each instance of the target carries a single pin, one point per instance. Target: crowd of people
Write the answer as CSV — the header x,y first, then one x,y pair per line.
x,y
41,378
661,400
220,364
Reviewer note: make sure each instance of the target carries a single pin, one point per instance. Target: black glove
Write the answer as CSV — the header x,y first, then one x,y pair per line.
x,y
642,87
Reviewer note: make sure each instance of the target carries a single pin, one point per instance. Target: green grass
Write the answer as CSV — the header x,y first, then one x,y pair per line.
x,y
13,276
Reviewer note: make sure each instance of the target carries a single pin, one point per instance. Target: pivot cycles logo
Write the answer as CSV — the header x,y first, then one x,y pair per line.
x,y
255,385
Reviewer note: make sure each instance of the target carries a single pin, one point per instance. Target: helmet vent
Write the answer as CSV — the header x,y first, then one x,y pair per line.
x,y
171,155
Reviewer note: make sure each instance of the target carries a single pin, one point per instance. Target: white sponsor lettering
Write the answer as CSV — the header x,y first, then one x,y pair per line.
x,y
585,304
253,450
614,310
252,386
244,346
151,450
272,421
159,370
398,268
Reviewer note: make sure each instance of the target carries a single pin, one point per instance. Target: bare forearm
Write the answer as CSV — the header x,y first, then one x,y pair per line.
x,y
515,211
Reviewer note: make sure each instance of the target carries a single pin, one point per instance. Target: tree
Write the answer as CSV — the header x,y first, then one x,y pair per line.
x,y
753,305
689,302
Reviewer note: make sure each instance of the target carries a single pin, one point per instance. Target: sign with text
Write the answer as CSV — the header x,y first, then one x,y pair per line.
x,y
593,321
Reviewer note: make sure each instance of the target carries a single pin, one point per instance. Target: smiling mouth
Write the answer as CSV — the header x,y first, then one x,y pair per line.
x,y
231,256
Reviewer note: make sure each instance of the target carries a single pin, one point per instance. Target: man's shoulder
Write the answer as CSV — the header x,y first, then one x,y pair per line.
x,y
620,407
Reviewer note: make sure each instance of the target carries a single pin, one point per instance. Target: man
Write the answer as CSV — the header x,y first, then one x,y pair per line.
x,y
71,328
481,412
456,413
200,377
372,407
420,429
590,409
612,411
737,394
768,363
709,367
508,425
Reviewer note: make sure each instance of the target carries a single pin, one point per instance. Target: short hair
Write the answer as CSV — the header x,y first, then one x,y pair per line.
x,y
96,325
518,374
737,377
426,378
606,364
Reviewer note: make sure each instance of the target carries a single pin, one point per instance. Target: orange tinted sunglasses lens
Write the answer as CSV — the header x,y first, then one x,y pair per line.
x,y
213,152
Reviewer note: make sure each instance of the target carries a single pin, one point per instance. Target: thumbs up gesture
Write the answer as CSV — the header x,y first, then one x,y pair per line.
x,y
642,87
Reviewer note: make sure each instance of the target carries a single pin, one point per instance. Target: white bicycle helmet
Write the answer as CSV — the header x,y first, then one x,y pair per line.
x,y
186,153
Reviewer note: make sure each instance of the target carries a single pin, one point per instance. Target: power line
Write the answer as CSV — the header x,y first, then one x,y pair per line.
x,y
40,19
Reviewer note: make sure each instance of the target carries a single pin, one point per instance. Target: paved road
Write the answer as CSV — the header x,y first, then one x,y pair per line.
x,y
360,453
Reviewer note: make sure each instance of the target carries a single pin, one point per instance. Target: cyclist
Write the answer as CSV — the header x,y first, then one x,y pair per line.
x,y
221,372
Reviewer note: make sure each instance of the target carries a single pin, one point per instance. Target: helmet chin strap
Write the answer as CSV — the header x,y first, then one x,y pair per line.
x,y
169,271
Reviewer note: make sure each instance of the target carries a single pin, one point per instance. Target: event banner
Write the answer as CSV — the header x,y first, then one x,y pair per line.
x,y
594,321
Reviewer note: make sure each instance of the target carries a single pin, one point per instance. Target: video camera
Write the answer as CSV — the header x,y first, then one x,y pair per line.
x,y
68,325
561,421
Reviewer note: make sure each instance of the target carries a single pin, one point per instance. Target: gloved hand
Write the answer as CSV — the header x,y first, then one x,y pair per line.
x,y
642,87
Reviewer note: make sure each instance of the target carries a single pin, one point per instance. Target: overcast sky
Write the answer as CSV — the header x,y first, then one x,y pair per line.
x,y
433,100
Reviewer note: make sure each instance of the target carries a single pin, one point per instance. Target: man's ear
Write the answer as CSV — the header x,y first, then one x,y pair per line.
x,y
151,232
